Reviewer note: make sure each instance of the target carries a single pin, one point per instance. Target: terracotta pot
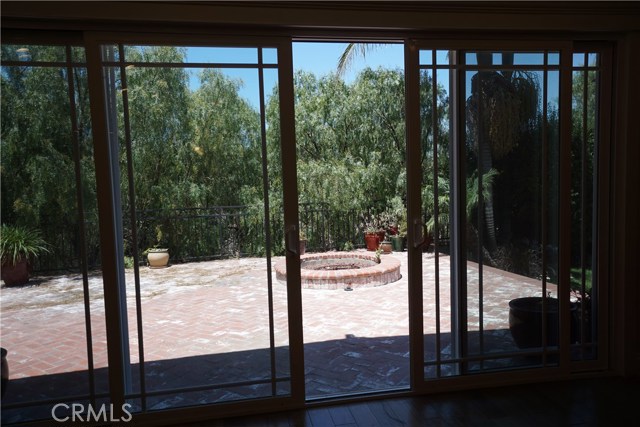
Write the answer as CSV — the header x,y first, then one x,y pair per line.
x,y
372,241
386,247
428,243
303,247
17,274
159,259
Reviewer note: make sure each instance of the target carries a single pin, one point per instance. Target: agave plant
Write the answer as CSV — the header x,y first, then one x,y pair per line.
x,y
18,243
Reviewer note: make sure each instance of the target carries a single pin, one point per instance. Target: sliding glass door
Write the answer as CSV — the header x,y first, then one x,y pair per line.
x,y
486,169
52,316
200,218
495,129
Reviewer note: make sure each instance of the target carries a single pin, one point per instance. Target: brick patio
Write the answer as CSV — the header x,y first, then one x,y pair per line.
x,y
207,322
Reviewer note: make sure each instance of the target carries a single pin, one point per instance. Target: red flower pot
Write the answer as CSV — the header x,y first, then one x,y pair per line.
x,y
372,240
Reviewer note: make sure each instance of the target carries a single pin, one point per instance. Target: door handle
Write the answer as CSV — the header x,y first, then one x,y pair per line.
x,y
419,236
292,239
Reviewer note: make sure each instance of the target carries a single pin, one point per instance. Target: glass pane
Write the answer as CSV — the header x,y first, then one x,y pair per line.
x,y
442,57
78,54
110,53
528,59
270,55
439,343
350,138
49,203
583,213
553,58
471,58
504,58
33,53
426,57
276,209
508,159
196,163
192,54
553,176
578,59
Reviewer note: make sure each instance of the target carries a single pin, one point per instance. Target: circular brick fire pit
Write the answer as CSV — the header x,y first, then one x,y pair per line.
x,y
337,270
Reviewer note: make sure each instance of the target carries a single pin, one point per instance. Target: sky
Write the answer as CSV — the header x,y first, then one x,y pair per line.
x,y
321,58
318,58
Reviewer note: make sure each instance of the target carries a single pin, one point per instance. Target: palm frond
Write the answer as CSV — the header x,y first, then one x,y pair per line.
x,y
353,51
473,196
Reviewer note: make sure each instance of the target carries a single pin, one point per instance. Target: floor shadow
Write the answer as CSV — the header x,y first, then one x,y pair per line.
x,y
336,367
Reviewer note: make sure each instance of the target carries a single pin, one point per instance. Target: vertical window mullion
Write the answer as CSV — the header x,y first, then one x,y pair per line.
x,y
583,201
134,228
107,186
267,220
459,292
564,202
436,210
291,216
545,208
481,212
81,224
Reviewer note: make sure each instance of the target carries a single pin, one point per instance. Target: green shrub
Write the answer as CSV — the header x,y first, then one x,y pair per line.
x,y
17,243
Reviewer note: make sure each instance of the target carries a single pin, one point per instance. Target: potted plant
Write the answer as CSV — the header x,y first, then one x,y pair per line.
x,y
525,321
396,238
303,242
385,244
18,246
157,256
397,229
371,238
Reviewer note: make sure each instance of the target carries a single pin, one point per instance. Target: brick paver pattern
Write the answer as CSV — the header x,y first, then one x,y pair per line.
x,y
208,322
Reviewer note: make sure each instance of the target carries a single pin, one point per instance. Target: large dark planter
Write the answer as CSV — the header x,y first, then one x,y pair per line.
x,y
397,242
303,247
18,274
525,321
5,372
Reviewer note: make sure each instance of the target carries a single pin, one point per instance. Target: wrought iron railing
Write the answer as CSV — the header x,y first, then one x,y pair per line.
x,y
217,232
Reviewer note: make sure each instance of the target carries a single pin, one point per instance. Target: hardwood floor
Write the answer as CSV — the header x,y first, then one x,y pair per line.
x,y
580,403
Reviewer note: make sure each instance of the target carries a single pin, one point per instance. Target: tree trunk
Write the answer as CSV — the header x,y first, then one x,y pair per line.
x,y
485,167
486,161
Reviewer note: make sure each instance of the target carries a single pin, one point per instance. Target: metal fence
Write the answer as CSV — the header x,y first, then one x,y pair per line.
x,y
64,247
237,231
193,234
208,233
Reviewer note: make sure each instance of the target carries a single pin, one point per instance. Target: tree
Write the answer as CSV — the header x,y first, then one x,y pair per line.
x,y
161,129
226,153
502,107
38,155
350,137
